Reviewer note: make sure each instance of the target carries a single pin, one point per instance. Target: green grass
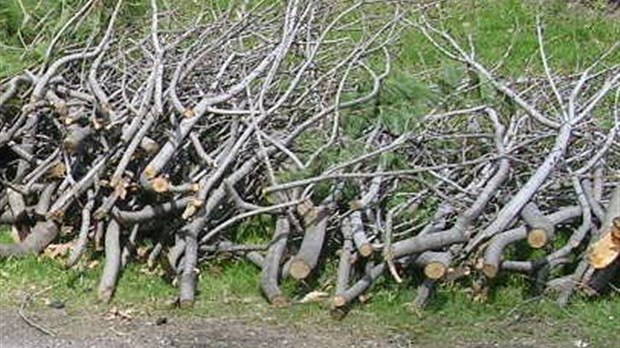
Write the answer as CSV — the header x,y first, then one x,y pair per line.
x,y
232,290
575,35
28,26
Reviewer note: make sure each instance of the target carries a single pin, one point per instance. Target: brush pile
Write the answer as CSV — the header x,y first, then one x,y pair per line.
x,y
176,138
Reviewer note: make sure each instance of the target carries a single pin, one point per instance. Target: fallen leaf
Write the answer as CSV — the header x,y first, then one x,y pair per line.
x,y
93,264
54,251
115,313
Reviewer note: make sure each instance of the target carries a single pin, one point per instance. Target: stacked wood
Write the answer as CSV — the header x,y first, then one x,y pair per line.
x,y
178,137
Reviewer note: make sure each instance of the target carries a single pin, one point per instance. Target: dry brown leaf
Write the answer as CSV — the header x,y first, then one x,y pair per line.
x,y
143,251
93,264
57,171
150,272
54,251
115,313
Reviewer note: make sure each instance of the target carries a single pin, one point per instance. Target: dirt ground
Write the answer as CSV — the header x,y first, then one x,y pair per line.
x,y
98,330
83,330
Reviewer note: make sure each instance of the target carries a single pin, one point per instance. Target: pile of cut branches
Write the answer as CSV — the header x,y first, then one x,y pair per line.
x,y
174,138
